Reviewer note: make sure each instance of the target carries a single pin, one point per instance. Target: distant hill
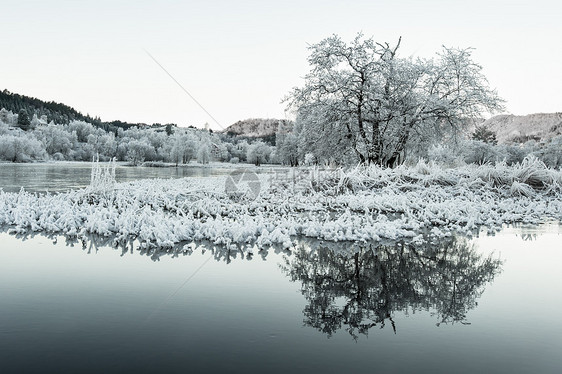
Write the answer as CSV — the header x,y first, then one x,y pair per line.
x,y
53,111
263,128
512,128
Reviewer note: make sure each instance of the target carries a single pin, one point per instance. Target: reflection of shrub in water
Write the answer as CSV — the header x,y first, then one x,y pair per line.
x,y
361,290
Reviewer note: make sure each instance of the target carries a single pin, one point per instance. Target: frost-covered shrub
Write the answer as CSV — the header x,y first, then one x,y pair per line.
x,y
58,157
7,117
234,160
551,153
222,153
36,122
3,128
511,153
309,159
478,152
102,179
121,151
445,155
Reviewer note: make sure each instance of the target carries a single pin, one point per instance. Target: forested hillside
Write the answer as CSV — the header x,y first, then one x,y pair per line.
x,y
519,129
52,111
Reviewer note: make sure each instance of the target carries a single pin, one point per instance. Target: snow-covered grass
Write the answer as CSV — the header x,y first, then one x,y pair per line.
x,y
362,204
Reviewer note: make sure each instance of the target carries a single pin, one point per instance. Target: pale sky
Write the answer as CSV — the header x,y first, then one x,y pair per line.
x,y
240,58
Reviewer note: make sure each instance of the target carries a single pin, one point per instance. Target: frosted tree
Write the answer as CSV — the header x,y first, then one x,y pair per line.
x,y
36,122
222,152
551,153
103,144
203,153
23,120
238,150
182,148
362,98
286,144
56,139
4,128
82,130
21,148
258,153
485,135
7,117
139,151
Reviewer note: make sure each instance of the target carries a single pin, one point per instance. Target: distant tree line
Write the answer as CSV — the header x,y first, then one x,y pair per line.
x,y
56,112
25,139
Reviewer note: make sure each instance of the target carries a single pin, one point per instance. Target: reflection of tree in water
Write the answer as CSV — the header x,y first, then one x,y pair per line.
x,y
356,287
364,289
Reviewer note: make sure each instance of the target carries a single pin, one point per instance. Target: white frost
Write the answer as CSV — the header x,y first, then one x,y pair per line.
x,y
363,204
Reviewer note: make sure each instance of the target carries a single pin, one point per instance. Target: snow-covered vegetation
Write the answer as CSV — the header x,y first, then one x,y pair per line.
x,y
362,102
415,203
478,152
80,141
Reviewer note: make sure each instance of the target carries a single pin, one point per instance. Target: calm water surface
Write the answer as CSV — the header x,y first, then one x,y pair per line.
x,y
452,307
63,176
489,305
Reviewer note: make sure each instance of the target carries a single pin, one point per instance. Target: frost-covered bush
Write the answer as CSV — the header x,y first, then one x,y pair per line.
x,y
4,128
478,152
36,122
238,149
58,156
7,117
445,155
511,153
551,153
309,159
222,153
122,149
234,160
